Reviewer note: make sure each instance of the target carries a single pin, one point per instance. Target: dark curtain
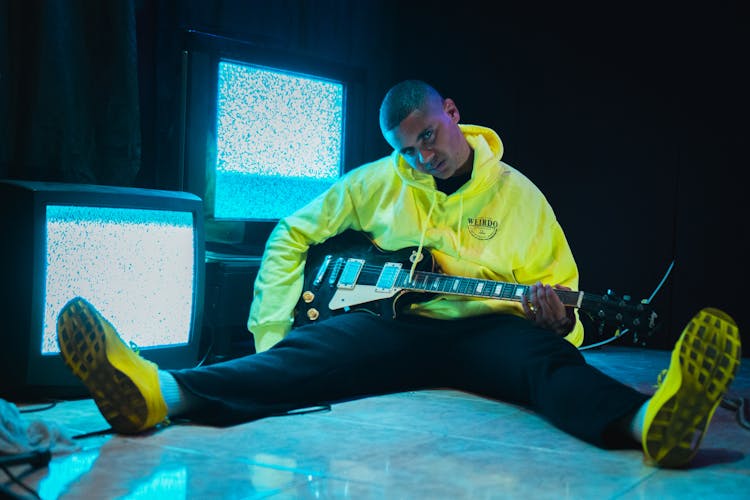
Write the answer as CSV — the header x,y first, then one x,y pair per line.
x,y
69,86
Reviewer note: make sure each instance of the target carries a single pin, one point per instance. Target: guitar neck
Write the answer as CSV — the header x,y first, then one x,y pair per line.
x,y
456,285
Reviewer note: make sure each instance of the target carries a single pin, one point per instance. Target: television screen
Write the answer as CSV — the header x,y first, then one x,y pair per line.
x,y
266,131
279,140
137,255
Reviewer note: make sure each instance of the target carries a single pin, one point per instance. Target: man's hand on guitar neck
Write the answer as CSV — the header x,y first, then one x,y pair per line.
x,y
544,308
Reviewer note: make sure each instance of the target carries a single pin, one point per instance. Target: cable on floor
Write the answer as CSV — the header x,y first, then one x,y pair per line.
x,y
35,460
740,407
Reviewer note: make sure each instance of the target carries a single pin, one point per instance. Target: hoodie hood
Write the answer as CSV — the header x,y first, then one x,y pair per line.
x,y
488,150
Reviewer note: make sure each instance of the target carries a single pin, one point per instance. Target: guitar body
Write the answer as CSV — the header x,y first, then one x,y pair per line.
x,y
324,296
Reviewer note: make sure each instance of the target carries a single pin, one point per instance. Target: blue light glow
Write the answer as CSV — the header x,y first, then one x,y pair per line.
x,y
279,140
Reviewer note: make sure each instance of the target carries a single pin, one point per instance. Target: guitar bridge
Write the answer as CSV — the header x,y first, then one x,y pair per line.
x,y
322,271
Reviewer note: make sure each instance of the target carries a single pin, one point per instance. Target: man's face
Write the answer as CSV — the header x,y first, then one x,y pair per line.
x,y
430,140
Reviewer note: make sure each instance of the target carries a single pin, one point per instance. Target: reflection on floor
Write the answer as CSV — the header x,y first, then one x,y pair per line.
x,y
427,444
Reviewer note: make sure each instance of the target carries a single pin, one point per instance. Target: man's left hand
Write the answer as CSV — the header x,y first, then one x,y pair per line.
x,y
544,308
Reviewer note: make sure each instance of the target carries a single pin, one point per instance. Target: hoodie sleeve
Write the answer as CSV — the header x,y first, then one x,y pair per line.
x,y
550,260
564,271
281,274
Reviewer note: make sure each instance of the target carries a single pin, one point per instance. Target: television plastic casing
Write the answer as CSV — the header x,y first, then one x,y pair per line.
x,y
25,372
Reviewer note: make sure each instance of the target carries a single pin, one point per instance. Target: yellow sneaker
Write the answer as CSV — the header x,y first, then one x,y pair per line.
x,y
124,386
703,364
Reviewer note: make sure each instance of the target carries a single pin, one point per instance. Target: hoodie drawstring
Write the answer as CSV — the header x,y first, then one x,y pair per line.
x,y
426,224
458,224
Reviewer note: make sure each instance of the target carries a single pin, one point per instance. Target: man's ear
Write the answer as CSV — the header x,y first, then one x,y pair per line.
x,y
451,110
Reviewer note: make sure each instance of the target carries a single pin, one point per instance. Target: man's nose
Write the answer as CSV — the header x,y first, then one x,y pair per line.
x,y
425,155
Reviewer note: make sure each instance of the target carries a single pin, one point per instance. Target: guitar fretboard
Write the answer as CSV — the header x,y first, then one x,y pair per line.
x,y
456,285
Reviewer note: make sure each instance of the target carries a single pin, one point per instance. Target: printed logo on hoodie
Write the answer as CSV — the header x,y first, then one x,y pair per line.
x,y
482,228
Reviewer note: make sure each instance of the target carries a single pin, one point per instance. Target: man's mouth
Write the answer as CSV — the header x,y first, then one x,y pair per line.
x,y
436,167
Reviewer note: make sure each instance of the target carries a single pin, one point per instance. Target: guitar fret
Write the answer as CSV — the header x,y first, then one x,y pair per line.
x,y
417,284
508,291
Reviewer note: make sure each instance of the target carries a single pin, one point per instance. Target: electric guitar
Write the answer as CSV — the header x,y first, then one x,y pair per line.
x,y
349,272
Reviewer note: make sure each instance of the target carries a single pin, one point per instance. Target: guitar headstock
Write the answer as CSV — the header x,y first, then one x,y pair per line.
x,y
619,312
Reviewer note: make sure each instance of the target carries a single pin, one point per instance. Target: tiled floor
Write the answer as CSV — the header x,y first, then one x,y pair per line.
x,y
424,445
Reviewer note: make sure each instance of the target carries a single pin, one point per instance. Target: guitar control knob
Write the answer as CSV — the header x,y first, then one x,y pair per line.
x,y
313,314
308,297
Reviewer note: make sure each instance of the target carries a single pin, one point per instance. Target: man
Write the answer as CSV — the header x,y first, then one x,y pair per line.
x,y
446,189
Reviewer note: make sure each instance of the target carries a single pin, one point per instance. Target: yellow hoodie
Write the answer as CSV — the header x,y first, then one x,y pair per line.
x,y
498,226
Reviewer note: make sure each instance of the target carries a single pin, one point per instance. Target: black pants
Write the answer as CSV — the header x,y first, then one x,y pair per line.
x,y
357,354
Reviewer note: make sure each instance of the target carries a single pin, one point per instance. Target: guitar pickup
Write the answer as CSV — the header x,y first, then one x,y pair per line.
x,y
387,277
350,274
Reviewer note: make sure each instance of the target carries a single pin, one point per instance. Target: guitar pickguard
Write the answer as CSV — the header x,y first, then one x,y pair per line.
x,y
361,294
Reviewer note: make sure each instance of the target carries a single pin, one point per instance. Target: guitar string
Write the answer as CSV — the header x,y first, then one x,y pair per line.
x,y
571,294
570,297
374,271
369,270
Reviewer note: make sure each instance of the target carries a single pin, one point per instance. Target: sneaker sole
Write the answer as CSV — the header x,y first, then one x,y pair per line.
x,y
83,345
708,354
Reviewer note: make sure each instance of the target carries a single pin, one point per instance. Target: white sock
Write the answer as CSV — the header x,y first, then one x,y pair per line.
x,y
178,400
636,425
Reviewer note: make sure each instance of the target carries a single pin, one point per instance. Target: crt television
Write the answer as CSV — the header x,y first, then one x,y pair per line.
x,y
136,254
265,131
